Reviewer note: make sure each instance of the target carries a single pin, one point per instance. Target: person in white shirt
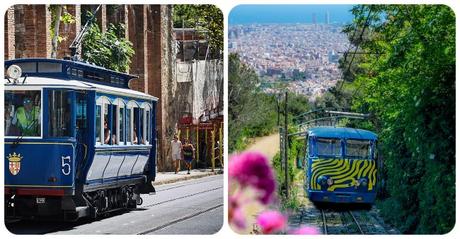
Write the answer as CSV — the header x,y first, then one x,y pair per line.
x,y
176,148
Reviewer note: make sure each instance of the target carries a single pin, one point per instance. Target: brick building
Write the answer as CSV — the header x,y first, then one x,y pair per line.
x,y
148,27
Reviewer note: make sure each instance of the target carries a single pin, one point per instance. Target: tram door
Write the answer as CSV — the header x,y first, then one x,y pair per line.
x,y
82,126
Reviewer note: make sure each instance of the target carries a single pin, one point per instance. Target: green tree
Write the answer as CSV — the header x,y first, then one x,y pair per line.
x,y
58,14
251,112
108,49
206,17
407,82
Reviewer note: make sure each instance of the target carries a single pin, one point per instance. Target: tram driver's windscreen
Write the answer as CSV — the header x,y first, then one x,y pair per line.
x,y
23,113
329,147
359,149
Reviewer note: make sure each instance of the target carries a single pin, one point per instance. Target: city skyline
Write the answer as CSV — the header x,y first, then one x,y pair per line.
x,y
303,55
282,14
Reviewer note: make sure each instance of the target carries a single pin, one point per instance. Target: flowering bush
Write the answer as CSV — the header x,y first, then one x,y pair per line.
x,y
252,187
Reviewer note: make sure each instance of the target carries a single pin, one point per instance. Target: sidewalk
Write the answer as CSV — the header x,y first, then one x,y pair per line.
x,y
171,177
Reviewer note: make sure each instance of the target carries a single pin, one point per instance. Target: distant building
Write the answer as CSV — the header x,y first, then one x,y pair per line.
x,y
333,57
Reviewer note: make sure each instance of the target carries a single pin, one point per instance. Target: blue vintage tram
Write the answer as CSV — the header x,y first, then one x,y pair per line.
x,y
78,141
341,165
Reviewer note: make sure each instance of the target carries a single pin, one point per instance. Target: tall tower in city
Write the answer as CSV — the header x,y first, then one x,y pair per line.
x,y
313,18
327,18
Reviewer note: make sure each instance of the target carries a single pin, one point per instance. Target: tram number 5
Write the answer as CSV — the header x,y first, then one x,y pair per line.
x,y
65,162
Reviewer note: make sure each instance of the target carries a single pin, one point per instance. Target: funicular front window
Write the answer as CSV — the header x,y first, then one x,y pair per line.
x,y
23,113
328,147
59,106
359,148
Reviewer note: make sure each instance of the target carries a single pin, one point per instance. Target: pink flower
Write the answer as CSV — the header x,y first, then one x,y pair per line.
x,y
238,219
253,169
271,221
235,213
306,230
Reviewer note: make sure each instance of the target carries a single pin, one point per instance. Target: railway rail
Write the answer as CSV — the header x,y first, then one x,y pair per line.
x,y
340,221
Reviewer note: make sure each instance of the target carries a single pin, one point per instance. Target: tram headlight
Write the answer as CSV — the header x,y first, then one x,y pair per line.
x,y
322,180
363,182
330,181
14,72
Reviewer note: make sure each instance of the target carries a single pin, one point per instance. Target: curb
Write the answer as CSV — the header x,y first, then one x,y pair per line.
x,y
187,177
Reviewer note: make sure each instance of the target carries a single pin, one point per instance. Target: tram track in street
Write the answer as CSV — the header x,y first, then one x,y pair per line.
x,y
182,197
178,209
178,220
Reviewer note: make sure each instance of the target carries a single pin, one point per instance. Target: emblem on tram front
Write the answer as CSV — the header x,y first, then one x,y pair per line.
x,y
15,163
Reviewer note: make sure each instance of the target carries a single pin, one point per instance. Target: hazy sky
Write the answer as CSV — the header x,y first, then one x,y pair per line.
x,y
247,14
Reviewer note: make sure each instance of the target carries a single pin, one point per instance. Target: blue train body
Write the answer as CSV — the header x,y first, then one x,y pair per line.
x,y
341,165
89,146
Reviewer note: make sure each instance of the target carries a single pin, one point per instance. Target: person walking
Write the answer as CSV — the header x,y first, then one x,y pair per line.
x,y
189,154
176,149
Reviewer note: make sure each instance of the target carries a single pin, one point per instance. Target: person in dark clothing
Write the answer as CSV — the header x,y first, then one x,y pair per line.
x,y
189,154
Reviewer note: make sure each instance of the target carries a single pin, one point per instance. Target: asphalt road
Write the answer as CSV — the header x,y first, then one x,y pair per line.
x,y
188,207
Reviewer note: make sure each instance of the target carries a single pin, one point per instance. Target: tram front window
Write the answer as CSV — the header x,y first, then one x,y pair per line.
x,y
329,147
59,112
359,148
23,113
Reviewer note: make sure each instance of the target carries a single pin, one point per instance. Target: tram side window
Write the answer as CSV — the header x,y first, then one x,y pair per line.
x,y
121,123
129,121
147,126
329,147
109,136
23,113
98,123
137,138
59,105
113,124
359,148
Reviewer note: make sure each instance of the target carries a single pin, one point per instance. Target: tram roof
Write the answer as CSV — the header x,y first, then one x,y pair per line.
x,y
32,82
45,72
68,69
342,132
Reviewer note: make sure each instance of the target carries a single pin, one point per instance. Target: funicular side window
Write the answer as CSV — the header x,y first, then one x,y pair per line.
x,y
59,111
23,113
329,147
358,149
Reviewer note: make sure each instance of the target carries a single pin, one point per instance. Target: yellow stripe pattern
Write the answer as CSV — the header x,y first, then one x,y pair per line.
x,y
344,172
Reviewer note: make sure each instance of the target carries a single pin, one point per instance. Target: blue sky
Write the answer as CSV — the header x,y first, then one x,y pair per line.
x,y
248,14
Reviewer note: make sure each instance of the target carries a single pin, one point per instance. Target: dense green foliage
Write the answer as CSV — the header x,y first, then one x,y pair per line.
x,y
407,82
251,113
206,17
254,113
108,49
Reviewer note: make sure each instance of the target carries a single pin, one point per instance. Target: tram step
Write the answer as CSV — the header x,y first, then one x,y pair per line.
x,y
82,211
